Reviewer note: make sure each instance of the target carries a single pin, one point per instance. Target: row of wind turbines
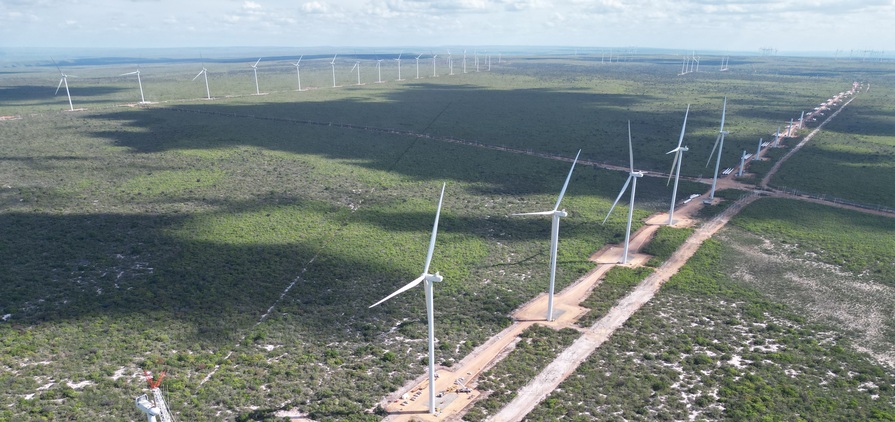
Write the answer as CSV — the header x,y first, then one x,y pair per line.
x,y
428,279
357,65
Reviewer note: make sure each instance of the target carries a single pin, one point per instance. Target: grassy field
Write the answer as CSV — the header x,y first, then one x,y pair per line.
x,y
158,238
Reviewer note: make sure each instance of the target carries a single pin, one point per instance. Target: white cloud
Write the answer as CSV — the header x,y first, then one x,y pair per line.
x,y
314,7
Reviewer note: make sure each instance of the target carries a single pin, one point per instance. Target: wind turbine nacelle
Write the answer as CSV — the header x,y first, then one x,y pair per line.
x,y
435,278
561,213
147,407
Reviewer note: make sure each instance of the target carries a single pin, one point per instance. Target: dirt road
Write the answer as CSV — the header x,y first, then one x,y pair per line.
x,y
568,361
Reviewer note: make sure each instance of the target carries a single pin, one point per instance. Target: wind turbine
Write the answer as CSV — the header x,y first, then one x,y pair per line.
x,y
777,137
418,66
357,65
719,145
489,62
140,82
633,175
434,73
204,71
427,279
451,62
554,235
333,64
64,81
399,66
758,151
298,71
255,70
464,61
475,54
676,163
379,70
742,164
802,119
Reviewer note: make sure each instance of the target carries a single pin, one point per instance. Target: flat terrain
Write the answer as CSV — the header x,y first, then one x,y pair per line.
x,y
237,242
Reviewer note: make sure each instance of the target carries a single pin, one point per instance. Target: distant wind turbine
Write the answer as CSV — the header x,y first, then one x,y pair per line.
x,y
554,235
298,70
139,82
676,164
204,72
357,65
464,61
427,279
632,175
451,62
333,64
255,70
379,70
719,145
399,66
64,81
434,73
418,66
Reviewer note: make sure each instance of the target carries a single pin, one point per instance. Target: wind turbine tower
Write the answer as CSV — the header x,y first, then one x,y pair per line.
x,y
451,62
676,164
204,72
255,70
434,72
357,66
156,410
556,213
298,70
758,150
719,145
418,66
802,119
777,137
333,64
427,279
399,66
464,61
379,70
475,54
139,82
742,164
64,81
633,175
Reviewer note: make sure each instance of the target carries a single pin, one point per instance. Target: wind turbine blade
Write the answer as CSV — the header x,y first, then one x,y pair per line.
x,y
299,59
434,232
718,139
679,142
673,164
125,74
723,113
630,147
406,287
199,74
256,63
566,184
535,213
59,86
56,64
622,192
353,67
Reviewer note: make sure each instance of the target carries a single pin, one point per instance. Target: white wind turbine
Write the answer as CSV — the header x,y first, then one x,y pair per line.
x,y
475,54
418,66
399,66
464,61
451,62
379,70
632,175
434,73
357,65
298,70
758,151
676,164
64,81
719,145
204,71
427,279
556,213
255,70
139,82
333,64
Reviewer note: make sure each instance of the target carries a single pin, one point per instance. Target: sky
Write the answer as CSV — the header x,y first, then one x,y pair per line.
x,y
719,25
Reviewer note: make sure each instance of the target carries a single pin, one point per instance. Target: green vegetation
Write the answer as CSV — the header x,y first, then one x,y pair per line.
x,y
712,347
616,284
852,158
664,243
537,347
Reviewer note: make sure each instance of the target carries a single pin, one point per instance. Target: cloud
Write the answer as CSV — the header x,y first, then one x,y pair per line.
x,y
250,5
315,7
